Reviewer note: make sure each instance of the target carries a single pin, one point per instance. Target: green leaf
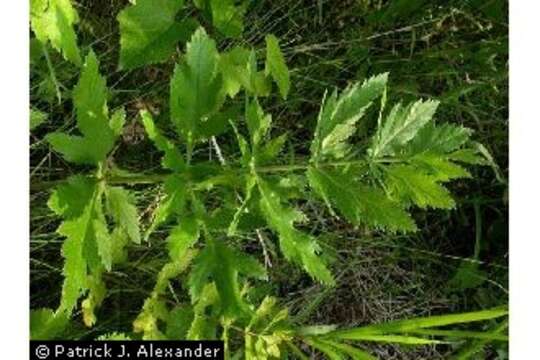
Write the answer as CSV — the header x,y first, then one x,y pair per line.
x,y
149,32
360,204
182,237
408,184
196,87
297,246
401,126
52,21
339,114
121,205
228,17
70,199
440,139
173,203
179,321
233,65
223,265
104,242
37,118
173,158
276,65
45,324
203,325
90,98
258,123
78,232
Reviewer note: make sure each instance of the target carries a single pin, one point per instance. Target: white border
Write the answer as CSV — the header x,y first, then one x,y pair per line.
x,y
524,178
14,216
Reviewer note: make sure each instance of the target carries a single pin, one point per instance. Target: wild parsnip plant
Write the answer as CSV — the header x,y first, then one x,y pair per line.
x,y
372,177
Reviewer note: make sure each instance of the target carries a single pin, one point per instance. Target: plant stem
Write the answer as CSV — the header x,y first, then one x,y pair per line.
x,y
148,179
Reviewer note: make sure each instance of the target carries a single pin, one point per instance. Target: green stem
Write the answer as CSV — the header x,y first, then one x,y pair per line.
x,y
148,179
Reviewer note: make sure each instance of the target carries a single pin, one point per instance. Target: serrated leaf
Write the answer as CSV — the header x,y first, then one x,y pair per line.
x,y
179,321
52,21
173,158
438,167
297,246
359,203
121,206
258,123
401,125
70,199
276,65
440,139
203,325
182,237
45,324
173,203
408,184
149,32
90,99
104,242
196,87
339,114
223,265
78,232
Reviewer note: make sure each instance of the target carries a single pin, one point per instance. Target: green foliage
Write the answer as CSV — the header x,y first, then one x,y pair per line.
x,y
360,204
45,324
149,32
339,115
90,100
196,88
52,22
276,66
227,15
373,180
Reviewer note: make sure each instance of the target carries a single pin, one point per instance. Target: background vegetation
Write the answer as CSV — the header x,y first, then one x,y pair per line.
x,y
453,51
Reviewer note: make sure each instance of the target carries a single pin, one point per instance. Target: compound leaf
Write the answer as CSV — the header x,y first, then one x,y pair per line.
x,y
339,115
196,87
297,246
407,184
52,21
223,265
401,126
90,98
357,202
